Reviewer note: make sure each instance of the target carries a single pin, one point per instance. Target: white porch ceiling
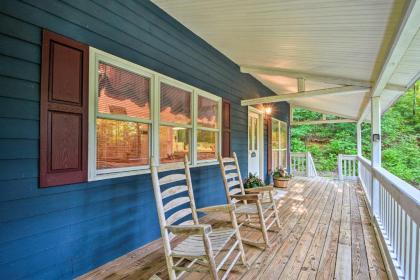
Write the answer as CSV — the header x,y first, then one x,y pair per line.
x,y
348,39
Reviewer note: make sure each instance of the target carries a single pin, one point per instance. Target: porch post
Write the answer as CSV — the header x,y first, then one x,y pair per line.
x,y
359,137
376,149
359,144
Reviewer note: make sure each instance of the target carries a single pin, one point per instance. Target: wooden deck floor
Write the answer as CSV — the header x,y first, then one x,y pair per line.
x,y
325,234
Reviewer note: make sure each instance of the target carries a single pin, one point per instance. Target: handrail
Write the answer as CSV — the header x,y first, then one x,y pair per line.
x,y
311,166
347,167
365,162
302,164
395,207
404,194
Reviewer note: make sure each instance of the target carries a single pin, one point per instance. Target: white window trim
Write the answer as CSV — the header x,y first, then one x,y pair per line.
x,y
156,79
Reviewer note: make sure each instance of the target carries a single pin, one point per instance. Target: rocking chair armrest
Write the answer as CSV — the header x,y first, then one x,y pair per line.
x,y
248,197
218,208
190,229
260,189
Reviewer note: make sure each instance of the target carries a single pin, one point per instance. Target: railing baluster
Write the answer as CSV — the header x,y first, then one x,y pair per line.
x,y
392,230
398,215
409,243
414,251
404,241
398,237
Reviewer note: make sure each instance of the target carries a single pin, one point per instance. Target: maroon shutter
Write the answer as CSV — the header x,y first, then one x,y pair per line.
x,y
226,133
64,111
269,146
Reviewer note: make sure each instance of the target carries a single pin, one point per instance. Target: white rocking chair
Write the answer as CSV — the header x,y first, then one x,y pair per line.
x,y
201,244
252,205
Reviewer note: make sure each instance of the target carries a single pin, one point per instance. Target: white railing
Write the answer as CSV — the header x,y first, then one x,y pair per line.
x,y
302,164
347,167
395,206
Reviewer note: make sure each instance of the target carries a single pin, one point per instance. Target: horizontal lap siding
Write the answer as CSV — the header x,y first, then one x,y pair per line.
x,y
65,231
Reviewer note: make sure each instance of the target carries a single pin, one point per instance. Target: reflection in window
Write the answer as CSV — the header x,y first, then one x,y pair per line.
x,y
279,144
175,104
249,133
121,144
206,144
275,137
121,92
283,135
174,143
207,112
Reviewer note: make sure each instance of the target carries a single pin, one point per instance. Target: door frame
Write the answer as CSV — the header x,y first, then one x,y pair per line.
x,y
260,136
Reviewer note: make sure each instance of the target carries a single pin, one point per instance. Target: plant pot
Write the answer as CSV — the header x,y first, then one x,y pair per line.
x,y
280,182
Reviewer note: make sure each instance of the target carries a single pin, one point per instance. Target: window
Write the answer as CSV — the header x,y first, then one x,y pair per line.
x,y
137,114
175,123
279,144
208,127
123,117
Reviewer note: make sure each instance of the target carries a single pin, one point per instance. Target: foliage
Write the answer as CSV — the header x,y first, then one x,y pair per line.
x,y
253,182
400,138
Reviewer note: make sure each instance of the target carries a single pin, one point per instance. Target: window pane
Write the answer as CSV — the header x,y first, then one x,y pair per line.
x,y
121,144
275,134
255,133
275,160
207,112
206,144
249,133
283,135
174,143
283,159
122,92
175,104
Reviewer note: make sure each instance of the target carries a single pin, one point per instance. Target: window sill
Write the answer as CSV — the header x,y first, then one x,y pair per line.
x,y
119,174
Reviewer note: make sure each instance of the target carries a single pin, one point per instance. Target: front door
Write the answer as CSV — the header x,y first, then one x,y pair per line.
x,y
254,143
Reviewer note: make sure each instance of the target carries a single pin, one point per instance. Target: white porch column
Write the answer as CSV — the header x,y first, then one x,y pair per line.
x,y
376,148
359,137
359,144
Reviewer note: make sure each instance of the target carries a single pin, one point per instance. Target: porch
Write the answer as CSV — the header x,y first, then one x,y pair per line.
x,y
325,226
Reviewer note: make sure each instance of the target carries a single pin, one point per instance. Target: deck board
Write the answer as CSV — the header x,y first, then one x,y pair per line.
x,y
325,233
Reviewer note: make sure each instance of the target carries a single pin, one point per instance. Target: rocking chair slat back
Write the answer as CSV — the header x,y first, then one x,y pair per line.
x,y
175,202
178,216
174,191
171,179
231,177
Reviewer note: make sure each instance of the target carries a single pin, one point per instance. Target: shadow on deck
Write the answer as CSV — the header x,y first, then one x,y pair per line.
x,y
326,233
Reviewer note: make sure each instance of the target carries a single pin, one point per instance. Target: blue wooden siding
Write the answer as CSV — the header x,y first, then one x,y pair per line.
x,y
62,232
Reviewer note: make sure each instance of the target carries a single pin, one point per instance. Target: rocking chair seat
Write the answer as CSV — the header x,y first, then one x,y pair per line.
x,y
193,246
251,208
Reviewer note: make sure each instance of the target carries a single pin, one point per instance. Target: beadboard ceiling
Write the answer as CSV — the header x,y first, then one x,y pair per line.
x,y
339,38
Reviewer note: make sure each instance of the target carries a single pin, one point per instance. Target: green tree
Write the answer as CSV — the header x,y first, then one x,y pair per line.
x,y
400,138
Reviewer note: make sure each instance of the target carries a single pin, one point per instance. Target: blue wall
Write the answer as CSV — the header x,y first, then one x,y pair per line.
x,y
62,232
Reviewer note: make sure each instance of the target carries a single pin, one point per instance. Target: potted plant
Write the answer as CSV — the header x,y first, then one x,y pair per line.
x,y
281,178
253,182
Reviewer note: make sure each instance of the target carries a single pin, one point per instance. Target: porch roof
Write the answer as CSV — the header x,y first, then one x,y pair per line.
x,y
298,46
